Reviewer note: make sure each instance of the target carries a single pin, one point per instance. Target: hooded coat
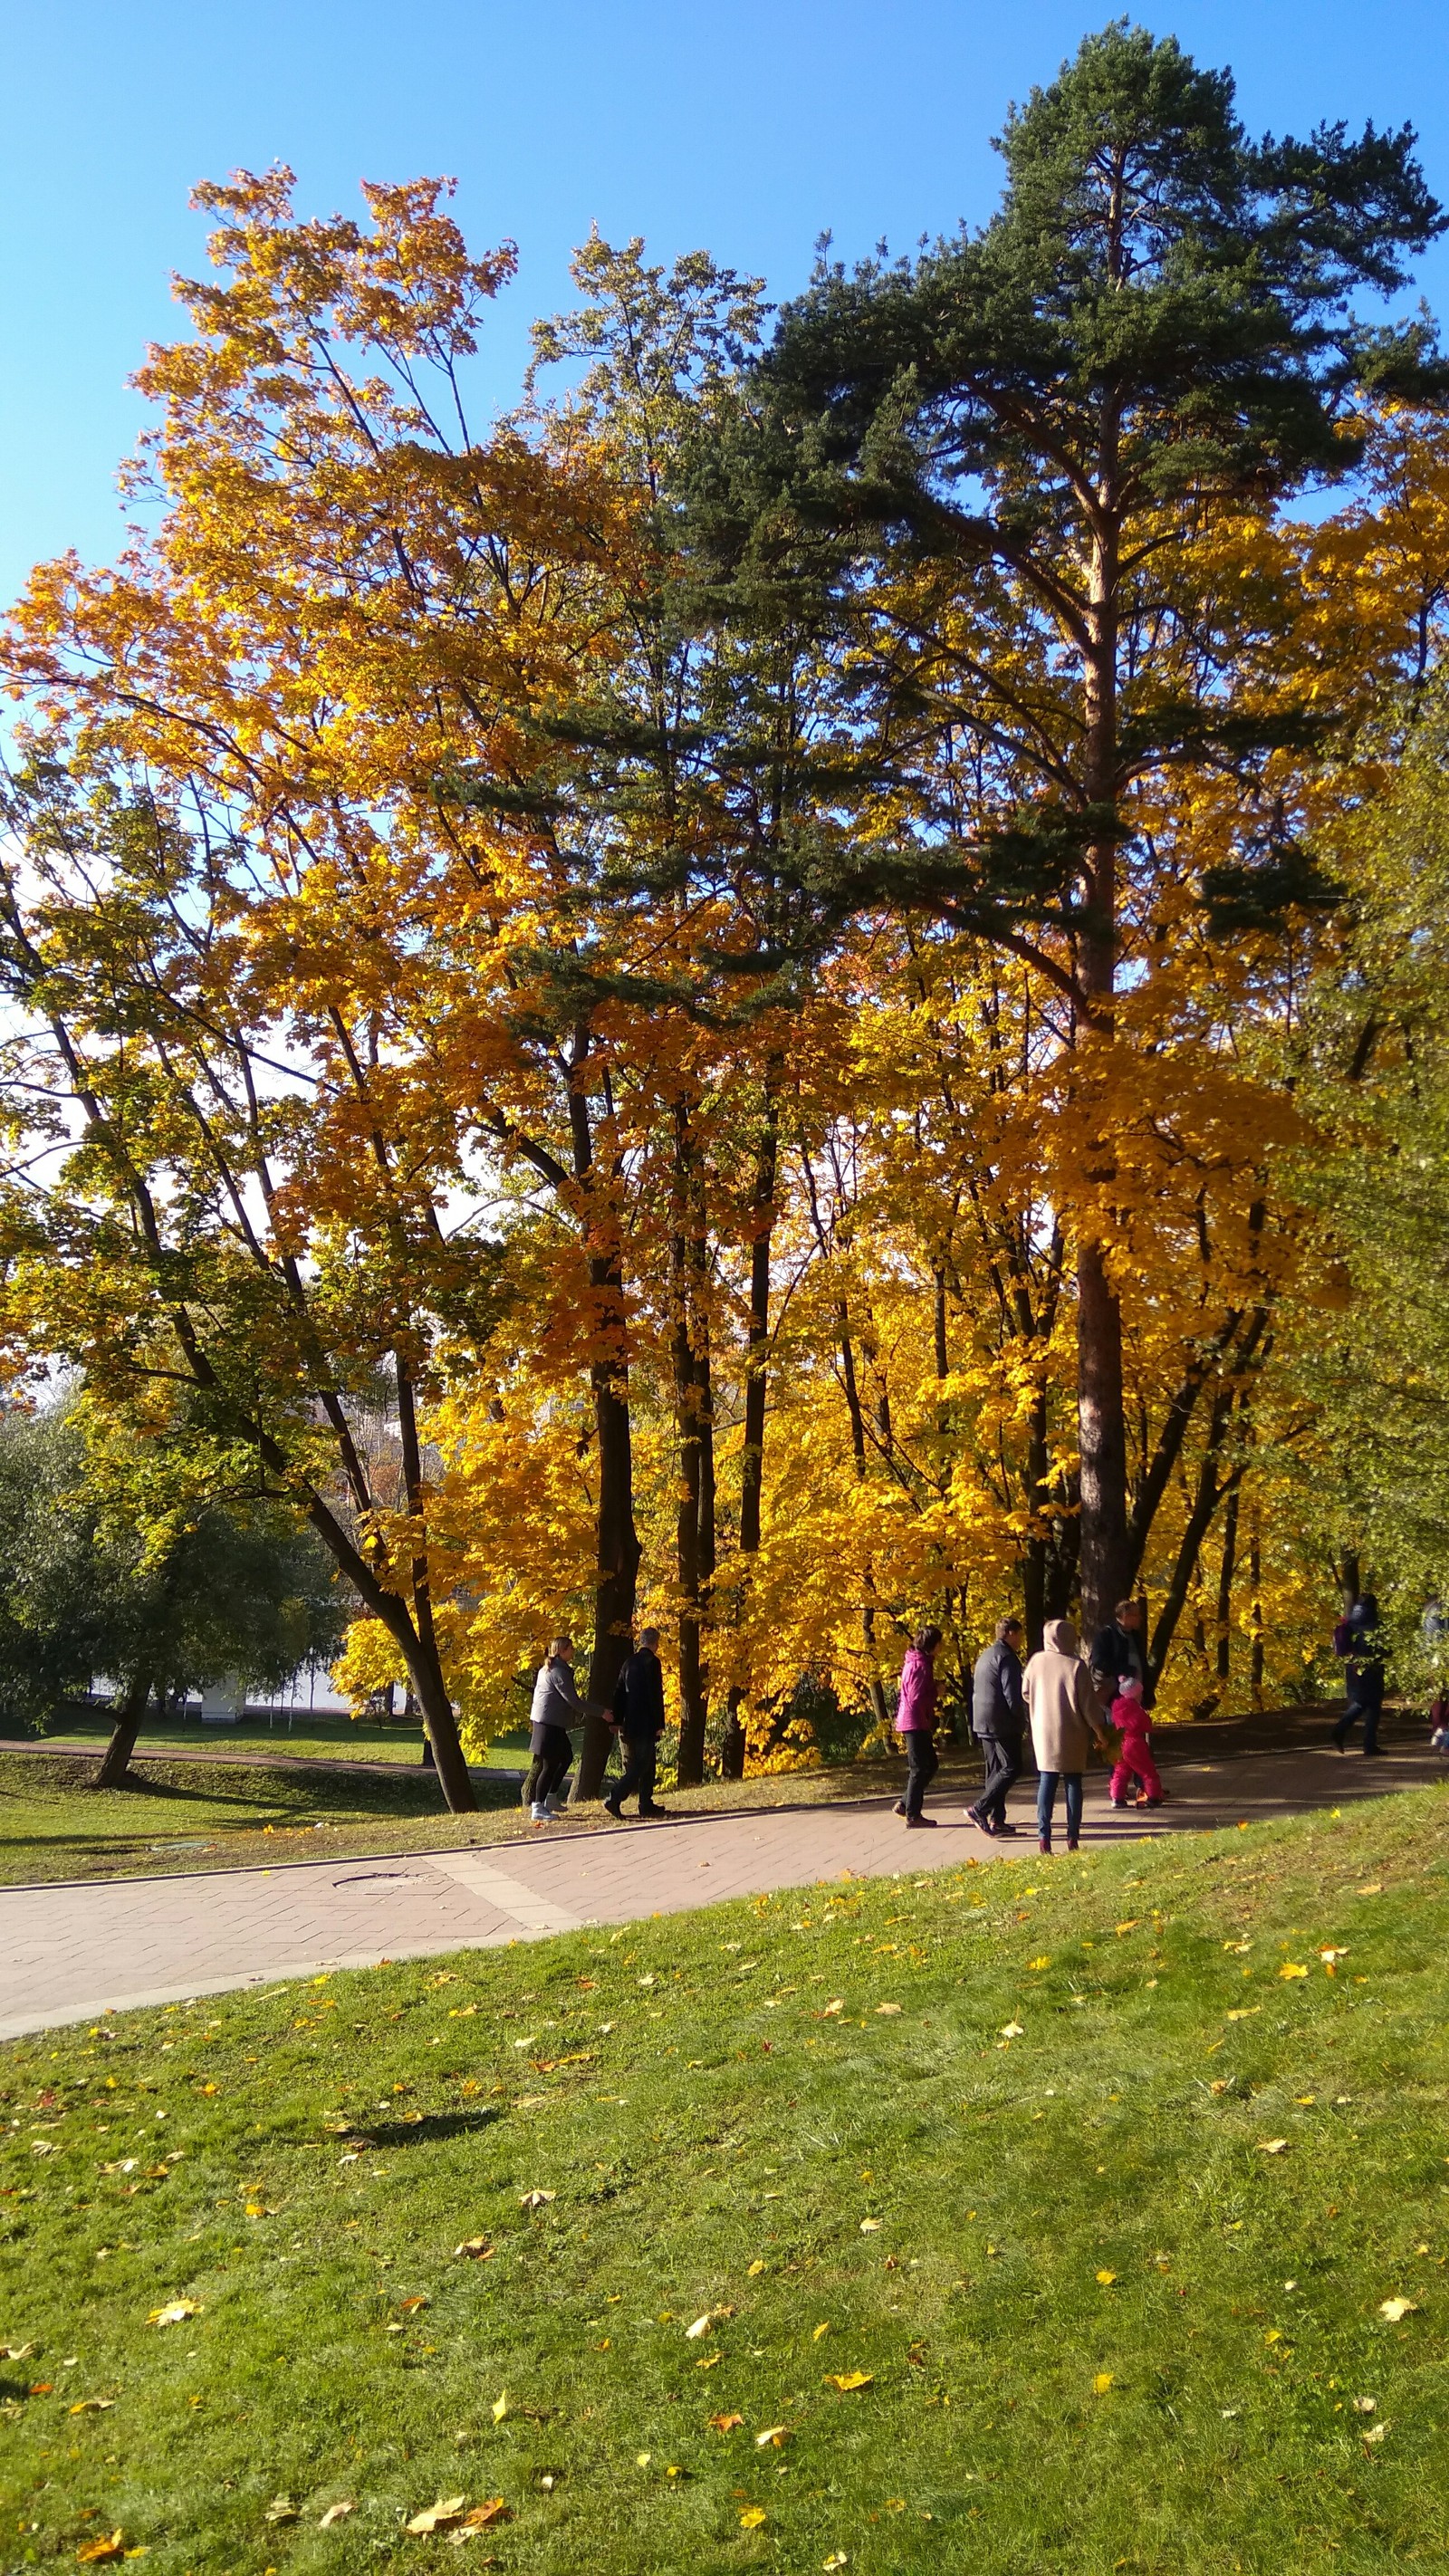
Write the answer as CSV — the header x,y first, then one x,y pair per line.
x,y
1061,1701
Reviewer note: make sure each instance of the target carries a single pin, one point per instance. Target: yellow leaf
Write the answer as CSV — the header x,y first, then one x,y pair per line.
x,y
91,2405
772,2433
1290,1969
283,2508
1245,2012
475,2249
837,2005
822,2328
483,2516
1394,2309
1106,2279
436,2517
701,2326
642,2459
752,2517
1012,2030
756,2268
1042,1962
847,2381
112,2545
1272,2146
871,2226
889,2008
1376,2433
724,2423
1102,2382
500,2406
174,2314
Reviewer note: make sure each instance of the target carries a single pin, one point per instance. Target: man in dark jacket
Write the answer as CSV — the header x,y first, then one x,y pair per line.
x,y
1117,1650
639,1715
998,1714
1359,1641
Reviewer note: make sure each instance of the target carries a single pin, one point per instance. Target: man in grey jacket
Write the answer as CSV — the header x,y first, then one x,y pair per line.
x,y
998,1714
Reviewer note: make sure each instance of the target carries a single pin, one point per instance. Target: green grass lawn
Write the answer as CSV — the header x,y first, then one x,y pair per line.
x,y
191,1815
1037,2216
324,1739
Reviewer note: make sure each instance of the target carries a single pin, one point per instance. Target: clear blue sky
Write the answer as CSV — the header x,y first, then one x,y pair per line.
x,y
747,126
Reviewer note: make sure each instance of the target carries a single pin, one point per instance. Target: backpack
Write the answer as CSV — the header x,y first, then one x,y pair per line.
x,y
619,1713
1343,1638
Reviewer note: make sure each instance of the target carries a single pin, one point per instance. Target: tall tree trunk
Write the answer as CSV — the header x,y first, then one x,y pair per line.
x,y
1101,1424
434,1698
616,1578
875,1686
1226,1571
130,1719
757,1355
686,1523
1255,1578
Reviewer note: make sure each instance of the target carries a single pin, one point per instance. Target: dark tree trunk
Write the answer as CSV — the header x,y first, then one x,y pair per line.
x,y
130,1719
1104,1565
1255,1578
1226,1571
617,1572
425,1663
875,1686
757,1357
686,1528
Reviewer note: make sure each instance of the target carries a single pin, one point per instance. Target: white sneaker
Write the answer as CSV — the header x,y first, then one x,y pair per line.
x,y
540,1813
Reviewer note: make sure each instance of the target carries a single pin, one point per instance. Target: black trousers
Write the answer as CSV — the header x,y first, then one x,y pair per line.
x,y
1002,1756
924,1764
552,1754
641,1764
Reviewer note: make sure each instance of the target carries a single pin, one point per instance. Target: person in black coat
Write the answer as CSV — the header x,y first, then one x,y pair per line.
x,y
998,1715
639,1716
1357,1639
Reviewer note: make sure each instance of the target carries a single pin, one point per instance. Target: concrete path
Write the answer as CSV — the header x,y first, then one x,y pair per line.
x,y
73,1952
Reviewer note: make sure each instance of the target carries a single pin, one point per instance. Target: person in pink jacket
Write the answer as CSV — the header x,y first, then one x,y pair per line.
x,y
916,1721
1128,1713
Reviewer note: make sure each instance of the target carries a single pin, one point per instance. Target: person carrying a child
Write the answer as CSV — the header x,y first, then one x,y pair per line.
x,y
1129,1715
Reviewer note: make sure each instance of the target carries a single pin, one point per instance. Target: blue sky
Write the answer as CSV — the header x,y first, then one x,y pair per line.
x,y
747,126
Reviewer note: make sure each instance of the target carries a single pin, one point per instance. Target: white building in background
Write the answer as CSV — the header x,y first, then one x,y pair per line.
x,y
224,1703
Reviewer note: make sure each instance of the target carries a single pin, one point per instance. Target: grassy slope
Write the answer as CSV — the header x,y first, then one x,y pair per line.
x,y
184,1816
324,1739
718,2106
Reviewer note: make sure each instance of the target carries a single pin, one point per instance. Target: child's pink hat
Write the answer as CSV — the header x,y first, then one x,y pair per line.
x,y
1129,1686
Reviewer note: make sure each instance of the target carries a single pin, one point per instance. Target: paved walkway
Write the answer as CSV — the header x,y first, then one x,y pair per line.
x,y
72,1953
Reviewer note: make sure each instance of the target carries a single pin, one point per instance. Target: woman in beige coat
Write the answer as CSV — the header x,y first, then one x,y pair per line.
x,y
1065,1717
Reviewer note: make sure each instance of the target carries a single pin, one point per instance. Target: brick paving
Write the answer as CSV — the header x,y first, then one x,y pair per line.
x,y
72,1952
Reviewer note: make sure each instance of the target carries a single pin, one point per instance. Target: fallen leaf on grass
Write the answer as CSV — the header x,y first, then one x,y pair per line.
x,y
1245,2012
756,2268
1013,2030
284,2508
701,2326
408,2307
753,2517
337,2513
871,2226
174,2313
1106,2279
724,2423
485,2515
437,2517
1042,1962
1376,2433
1290,1968
847,2381
711,2361
1394,2309
1273,2146
475,2248
90,2406
1365,2405
1103,2381
837,2558
500,2406
822,2328
16,2351
112,2544
537,2199
775,2433
836,2005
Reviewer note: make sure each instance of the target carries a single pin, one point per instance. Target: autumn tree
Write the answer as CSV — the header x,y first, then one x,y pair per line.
x,y
1027,426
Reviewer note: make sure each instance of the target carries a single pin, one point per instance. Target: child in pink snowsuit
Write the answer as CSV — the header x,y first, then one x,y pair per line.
x,y
1128,1713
